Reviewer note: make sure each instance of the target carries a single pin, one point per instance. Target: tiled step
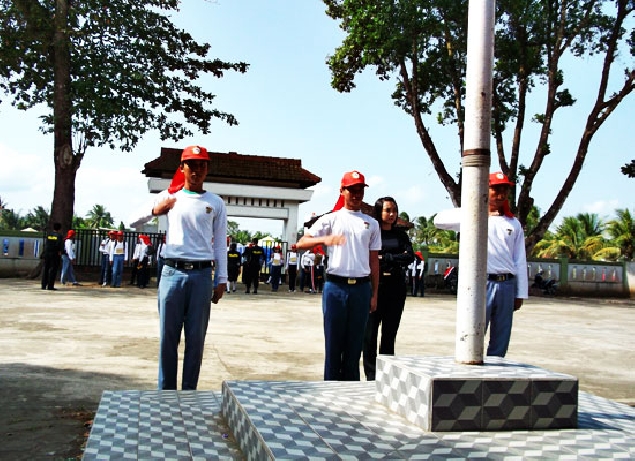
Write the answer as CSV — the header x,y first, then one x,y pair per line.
x,y
340,420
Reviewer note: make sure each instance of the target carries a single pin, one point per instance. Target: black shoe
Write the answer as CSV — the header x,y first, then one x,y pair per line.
x,y
255,292
246,291
52,289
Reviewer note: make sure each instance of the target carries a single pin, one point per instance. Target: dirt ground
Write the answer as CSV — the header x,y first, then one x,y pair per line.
x,y
60,350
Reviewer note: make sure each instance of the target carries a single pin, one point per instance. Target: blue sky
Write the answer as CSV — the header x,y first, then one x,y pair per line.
x,y
287,108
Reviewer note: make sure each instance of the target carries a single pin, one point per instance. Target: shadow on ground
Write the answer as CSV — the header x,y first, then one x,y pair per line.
x,y
45,413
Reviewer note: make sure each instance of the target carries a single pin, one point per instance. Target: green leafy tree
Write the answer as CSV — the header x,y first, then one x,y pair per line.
x,y
12,220
423,45
629,169
578,237
622,232
109,72
260,235
78,222
232,227
37,219
98,217
3,207
532,220
242,236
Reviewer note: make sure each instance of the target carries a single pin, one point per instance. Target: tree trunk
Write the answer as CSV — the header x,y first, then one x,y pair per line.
x,y
66,164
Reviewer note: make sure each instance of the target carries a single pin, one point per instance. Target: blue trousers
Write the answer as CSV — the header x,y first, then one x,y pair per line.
x,y
68,276
104,275
345,309
117,270
184,305
499,314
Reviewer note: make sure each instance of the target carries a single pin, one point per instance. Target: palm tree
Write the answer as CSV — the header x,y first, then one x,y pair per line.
x,y
578,237
11,220
622,232
98,217
426,233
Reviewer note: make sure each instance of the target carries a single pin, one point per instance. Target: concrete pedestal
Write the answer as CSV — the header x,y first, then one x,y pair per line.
x,y
437,394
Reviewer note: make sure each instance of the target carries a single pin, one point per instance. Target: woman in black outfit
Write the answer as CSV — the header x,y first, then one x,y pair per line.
x,y
395,256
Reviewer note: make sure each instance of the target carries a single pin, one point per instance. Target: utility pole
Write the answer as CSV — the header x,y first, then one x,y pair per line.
x,y
475,163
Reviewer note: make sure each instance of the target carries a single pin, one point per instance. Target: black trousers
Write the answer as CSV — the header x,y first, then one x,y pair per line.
x,y
292,271
252,275
49,271
142,273
391,299
133,271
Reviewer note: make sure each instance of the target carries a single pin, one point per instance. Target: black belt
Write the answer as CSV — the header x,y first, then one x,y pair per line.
x,y
346,280
187,265
499,277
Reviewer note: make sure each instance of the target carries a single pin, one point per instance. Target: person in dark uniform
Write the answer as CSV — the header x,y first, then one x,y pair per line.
x,y
395,256
53,247
233,267
254,256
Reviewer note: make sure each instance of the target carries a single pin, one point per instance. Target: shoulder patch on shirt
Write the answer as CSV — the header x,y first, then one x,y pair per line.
x,y
366,225
208,209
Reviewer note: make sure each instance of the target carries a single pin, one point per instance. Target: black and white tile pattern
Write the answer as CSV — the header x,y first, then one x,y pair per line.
x,y
438,394
333,421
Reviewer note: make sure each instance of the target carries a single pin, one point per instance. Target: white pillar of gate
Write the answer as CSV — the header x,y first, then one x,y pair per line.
x,y
248,201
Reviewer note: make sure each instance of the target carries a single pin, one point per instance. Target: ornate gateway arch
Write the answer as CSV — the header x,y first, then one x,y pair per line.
x,y
252,186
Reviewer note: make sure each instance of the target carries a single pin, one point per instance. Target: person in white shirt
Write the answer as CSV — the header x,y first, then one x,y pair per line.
x,y
307,260
105,276
136,257
507,280
292,262
277,261
118,255
143,261
196,240
68,259
353,241
418,269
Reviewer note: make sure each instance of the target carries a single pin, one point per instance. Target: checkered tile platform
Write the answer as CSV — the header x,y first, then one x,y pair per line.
x,y
328,421
175,425
438,394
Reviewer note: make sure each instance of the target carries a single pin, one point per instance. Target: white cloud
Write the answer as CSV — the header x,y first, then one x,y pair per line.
x,y
123,192
602,207
375,181
25,180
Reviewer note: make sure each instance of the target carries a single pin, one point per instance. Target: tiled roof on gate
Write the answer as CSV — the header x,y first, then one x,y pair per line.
x,y
234,168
